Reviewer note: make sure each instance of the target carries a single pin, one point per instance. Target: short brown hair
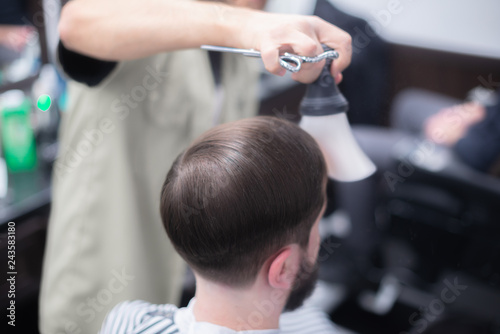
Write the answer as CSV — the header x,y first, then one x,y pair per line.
x,y
239,193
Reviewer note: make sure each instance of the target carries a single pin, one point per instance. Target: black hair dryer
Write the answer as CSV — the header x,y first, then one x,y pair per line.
x,y
323,111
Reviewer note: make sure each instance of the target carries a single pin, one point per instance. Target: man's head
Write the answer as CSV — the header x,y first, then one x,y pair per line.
x,y
240,193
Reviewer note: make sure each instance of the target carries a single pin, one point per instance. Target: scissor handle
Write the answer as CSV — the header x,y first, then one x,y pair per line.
x,y
293,62
290,62
329,53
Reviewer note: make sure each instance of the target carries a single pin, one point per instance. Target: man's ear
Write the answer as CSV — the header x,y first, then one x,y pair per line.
x,y
283,267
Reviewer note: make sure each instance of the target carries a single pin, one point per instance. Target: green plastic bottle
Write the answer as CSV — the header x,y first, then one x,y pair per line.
x,y
18,140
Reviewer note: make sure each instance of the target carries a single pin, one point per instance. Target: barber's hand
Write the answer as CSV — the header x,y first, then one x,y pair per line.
x,y
449,125
274,34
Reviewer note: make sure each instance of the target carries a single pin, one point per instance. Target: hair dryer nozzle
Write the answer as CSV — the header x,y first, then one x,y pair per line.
x,y
323,111
344,158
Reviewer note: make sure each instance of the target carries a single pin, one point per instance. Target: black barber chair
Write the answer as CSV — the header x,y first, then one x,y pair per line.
x,y
447,213
441,227
439,223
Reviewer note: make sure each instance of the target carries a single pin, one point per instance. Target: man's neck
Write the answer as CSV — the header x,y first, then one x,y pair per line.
x,y
254,308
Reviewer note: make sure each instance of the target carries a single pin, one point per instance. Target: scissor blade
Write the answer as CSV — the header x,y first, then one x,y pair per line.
x,y
245,52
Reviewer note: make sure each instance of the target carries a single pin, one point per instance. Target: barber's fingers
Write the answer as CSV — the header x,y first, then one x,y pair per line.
x,y
288,38
307,45
304,35
270,53
338,78
337,39
296,42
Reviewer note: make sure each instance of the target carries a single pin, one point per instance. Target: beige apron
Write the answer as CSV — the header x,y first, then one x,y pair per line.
x,y
106,242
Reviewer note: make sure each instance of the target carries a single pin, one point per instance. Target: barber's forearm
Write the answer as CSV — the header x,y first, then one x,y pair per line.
x,y
130,29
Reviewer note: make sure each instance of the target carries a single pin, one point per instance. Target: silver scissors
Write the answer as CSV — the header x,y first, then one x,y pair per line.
x,y
288,61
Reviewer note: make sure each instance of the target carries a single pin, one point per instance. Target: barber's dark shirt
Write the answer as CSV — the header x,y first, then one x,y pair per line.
x,y
13,12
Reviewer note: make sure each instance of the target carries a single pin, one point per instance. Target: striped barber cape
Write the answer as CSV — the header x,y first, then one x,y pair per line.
x,y
140,317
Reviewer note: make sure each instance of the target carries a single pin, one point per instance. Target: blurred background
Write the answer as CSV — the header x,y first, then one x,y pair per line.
x,y
414,249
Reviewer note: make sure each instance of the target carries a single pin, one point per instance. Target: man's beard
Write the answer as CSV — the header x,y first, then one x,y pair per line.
x,y
304,284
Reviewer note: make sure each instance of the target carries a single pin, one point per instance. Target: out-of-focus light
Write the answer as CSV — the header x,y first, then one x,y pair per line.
x,y
44,102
